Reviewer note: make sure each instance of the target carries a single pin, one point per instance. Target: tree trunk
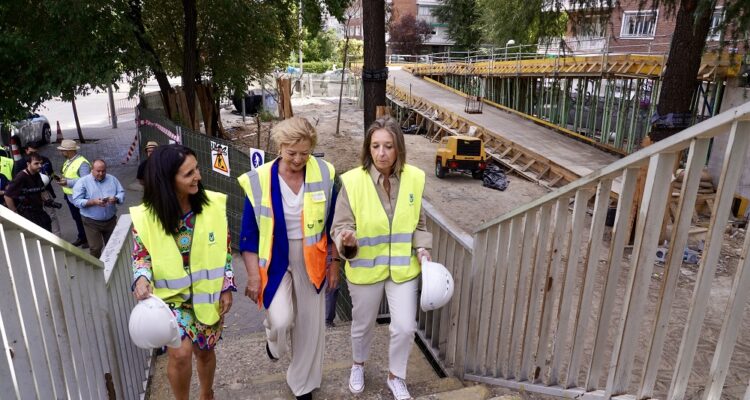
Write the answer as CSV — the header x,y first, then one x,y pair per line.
x,y
374,74
679,81
139,30
75,116
190,59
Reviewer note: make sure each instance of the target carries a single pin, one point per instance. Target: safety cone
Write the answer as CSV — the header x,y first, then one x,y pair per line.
x,y
14,148
59,133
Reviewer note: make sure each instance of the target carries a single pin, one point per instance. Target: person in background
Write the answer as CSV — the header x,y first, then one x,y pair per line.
x,y
182,254
48,170
75,167
97,195
284,244
25,194
150,147
380,230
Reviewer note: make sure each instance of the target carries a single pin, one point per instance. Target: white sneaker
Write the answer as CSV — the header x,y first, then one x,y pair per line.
x,y
398,388
357,379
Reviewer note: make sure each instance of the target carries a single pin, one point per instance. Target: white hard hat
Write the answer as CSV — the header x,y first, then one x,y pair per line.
x,y
45,178
437,285
152,325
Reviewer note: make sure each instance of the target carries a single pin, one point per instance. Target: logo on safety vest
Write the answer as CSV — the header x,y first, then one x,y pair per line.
x,y
411,198
211,237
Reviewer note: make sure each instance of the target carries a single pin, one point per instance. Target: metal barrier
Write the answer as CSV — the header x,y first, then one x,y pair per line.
x,y
153,125
61,318
322,85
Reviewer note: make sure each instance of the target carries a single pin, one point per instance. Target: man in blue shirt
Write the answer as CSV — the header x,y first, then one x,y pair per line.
x,y
96,195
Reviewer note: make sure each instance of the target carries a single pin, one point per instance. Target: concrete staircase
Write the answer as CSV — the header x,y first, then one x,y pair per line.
x,y
244,372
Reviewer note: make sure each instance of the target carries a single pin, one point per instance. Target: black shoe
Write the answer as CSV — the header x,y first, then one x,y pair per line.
x,y
85,245
79,242
270,356
306,396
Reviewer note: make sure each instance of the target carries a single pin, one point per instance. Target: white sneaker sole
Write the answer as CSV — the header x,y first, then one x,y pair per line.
x,y
354,391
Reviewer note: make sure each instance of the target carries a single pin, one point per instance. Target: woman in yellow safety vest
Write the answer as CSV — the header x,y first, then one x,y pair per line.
x,y
182,254
284,244
379,229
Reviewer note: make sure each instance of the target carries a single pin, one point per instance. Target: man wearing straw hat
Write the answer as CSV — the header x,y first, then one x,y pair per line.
x,y
150,147
75,167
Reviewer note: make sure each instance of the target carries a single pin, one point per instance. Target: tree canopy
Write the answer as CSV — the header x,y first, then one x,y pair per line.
x,y
463,19
408,34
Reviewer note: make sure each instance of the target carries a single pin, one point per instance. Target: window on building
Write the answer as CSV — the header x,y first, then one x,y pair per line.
x,y
639,24
714,34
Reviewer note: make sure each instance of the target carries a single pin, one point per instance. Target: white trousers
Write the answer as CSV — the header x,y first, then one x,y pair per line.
x,y
298,309
402,304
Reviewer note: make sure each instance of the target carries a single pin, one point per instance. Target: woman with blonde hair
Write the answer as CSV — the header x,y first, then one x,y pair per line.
x,y
284,244
379,229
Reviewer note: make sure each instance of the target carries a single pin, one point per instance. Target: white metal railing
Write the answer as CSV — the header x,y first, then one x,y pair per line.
x,y
550,306
60,323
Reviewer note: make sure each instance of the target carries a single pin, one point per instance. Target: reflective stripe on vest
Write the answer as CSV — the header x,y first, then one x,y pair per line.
x,y
319,176
385,247
6,167
208,257
70,170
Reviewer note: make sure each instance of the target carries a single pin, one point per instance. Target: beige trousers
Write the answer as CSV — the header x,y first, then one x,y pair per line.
x,y
299,310
402,304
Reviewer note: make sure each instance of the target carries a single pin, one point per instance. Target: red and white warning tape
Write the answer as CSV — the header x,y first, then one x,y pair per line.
x,y
131,150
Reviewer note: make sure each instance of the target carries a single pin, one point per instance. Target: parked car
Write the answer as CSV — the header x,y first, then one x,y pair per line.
x,y
34,129
335,75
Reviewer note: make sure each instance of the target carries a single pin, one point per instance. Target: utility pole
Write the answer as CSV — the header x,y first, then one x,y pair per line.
x,y
112,106
301,69
374,72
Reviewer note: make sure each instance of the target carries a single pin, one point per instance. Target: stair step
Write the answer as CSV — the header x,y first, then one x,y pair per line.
x,y
477,392
243,372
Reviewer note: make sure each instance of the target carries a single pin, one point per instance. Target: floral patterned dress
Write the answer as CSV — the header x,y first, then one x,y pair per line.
x,y
204,336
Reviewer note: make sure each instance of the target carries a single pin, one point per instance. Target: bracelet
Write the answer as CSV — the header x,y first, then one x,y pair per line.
x,y
337,259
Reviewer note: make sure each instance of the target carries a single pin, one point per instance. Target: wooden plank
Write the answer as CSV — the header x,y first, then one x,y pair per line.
x,y
642,264
27,308
501,266
511,282
522,293
731,325
478,268
88,366
488,294
730,173
538,286
37,266
570,285
620,236
460,304
678,241
17,376
553,286
529,164
590,272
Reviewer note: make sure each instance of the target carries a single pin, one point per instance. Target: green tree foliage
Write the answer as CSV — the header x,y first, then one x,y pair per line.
x,y
321,46
408,34
356,50
463,18
50,48
520,20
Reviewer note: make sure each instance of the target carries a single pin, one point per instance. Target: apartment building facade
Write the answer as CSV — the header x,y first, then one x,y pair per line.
x,y
630,29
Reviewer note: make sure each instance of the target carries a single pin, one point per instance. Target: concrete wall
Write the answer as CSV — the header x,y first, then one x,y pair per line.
x,y
733,97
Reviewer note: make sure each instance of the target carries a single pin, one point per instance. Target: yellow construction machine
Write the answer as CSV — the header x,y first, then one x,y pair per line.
x,y
461,153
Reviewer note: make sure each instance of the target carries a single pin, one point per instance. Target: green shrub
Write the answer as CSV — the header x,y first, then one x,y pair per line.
x,y
316,67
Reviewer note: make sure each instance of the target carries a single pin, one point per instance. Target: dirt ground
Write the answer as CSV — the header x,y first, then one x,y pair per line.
x,y
458,197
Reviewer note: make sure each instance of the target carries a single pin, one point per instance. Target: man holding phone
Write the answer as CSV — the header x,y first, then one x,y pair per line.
x,y
97,195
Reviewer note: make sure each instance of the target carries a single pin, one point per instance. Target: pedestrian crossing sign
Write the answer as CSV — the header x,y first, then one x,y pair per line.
x,y
220,158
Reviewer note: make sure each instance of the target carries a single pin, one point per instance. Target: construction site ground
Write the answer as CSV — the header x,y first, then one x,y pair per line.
x,y
457,196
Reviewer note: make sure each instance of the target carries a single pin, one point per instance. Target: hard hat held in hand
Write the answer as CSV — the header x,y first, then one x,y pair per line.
x,y
152,325
45,179
437,285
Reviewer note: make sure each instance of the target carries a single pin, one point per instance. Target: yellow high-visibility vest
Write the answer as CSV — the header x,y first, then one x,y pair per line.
x,y
70,170
6,167
385,248
319,175
208,257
